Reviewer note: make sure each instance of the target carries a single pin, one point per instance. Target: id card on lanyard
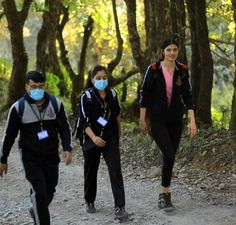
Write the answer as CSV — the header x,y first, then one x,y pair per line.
x,y
43,134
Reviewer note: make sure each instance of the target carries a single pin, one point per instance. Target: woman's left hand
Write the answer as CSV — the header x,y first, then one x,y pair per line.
x,y
192,129
67,157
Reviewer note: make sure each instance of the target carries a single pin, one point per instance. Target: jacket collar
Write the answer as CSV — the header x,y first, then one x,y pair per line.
x,y
177,65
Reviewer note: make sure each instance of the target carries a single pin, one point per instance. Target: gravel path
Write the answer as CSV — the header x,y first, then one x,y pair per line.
x,y
194,205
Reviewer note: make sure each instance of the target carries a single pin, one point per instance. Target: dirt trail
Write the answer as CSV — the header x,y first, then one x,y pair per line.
x,y
194,206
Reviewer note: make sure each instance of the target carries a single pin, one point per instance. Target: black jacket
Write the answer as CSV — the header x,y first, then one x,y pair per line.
x,y
29,126
92,109
153,93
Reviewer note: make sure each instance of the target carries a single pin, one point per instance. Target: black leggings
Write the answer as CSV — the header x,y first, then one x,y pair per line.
x,y
167,136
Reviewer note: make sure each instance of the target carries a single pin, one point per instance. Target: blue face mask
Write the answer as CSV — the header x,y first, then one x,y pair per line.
x,y
36,94
101,84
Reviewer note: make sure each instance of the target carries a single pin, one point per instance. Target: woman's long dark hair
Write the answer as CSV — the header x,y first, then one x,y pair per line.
x,y
92,73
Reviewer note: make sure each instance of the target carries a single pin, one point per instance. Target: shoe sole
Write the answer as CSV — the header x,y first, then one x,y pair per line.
x,y
170,209
122,217
90,211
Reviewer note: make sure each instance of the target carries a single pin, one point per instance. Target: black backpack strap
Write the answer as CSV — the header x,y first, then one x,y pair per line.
x,y
21,106
113,92
54,103
88,94
77,133
154,67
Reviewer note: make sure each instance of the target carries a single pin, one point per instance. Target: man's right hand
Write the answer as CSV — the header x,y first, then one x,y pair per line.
x,y
3,168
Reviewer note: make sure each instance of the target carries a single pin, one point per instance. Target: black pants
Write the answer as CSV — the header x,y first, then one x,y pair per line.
x,y
167,136
42,173
111,155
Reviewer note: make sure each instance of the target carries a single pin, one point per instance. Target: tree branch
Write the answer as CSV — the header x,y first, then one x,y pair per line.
x,y
60,39
124,76
221,41
111,66
25,9
88,28
226,58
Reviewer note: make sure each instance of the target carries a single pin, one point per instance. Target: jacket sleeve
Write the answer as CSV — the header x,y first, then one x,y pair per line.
x,y
11,131
187,90
146,89
84,112
64,129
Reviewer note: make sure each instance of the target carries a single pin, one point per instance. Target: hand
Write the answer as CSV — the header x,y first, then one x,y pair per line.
x,y
67,157
143,126
3,168
192,129
98,141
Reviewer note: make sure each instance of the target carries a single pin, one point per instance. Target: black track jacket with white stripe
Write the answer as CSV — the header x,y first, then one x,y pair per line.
x,y
31,123
153,93
90,111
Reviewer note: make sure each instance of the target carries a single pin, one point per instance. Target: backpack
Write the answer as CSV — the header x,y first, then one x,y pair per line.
x,y
78,132
21,103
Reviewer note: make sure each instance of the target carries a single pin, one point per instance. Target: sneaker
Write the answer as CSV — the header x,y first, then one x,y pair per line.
x,y
90,208
120,213
31,212
165,202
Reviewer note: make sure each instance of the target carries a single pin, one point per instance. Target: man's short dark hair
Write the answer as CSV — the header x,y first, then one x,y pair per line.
x,y
35,76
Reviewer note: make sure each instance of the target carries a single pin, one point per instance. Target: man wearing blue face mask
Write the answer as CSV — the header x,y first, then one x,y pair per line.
x,y
40,118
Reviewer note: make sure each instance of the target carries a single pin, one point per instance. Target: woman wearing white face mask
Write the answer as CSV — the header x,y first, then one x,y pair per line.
x,y
99,120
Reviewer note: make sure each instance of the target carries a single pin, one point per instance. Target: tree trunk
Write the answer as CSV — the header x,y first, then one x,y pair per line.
x,y
204,100
16,20
232,124
195,60
124,92
88,29
162,12
47,60
151,30
178,22
134,38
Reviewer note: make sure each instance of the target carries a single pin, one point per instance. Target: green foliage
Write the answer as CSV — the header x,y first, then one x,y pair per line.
x,y
221,106
66,76
3,91
5,69
132,86
67,105
220,118
129,126
39,5
52,84
5,72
